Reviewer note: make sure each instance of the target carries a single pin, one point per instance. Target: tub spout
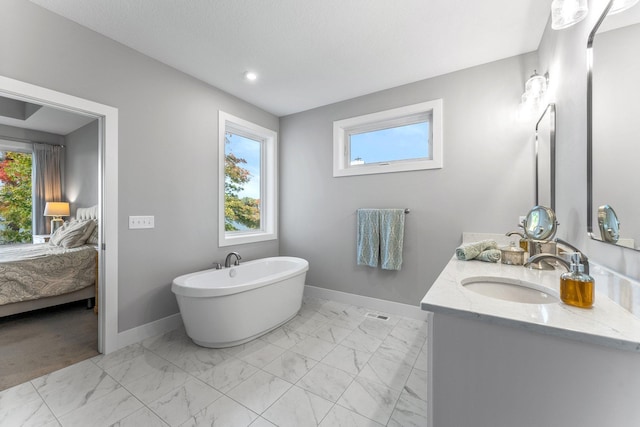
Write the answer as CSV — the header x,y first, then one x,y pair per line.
x,y
227,261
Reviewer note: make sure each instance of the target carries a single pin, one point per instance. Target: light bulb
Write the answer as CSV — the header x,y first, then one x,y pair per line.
x,y
251,76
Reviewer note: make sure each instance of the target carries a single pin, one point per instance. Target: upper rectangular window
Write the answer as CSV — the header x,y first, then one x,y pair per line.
x,y
248,188
403,139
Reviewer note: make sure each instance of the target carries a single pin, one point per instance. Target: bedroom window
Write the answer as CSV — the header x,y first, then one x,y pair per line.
x,y
15,197
403,139
248,195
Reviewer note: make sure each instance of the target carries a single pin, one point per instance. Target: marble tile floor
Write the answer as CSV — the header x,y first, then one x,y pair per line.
x,y
331,365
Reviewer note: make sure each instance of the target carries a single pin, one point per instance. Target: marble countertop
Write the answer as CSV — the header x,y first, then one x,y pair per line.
x,y
614,320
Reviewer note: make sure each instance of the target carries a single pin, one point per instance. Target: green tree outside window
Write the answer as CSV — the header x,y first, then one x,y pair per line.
x,y
15,197
238,210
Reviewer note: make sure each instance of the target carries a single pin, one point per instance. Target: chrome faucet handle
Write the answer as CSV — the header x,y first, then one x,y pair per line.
x,y
543,256
217,265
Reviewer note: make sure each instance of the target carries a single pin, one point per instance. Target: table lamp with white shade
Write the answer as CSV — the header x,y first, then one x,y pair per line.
x,y
56,210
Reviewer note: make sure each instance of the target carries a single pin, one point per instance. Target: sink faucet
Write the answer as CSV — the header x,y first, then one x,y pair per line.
x,y
227,260
583,258
541,257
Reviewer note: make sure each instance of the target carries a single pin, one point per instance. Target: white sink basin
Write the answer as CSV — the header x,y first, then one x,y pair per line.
x,y
513,290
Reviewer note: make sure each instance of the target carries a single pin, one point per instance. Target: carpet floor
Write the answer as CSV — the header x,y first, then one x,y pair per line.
x,y
37,343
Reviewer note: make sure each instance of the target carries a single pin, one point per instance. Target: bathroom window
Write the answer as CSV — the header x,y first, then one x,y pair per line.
x,y
403,139
248,195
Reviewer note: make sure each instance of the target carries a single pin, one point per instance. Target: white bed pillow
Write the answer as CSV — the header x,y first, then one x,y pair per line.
x,y
93,237
73,234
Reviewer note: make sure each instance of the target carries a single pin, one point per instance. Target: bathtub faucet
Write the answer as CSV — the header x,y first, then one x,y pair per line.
x,y
227,261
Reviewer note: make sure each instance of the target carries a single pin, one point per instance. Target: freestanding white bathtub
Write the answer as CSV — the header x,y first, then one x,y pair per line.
x,y
230,306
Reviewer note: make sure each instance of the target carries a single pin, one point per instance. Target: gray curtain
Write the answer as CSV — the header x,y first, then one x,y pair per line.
x,y
47,183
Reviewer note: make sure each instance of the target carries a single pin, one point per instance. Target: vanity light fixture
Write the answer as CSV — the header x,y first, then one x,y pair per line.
x,y
250,76
565,13
533,98
536,85
621,5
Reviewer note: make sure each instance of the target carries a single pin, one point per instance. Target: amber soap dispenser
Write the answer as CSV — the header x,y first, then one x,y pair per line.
x,y
576,287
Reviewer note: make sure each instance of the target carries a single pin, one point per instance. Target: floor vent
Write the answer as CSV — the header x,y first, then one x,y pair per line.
x,y
378,316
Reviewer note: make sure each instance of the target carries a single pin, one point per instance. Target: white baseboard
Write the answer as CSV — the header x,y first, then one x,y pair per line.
x,y
390,307
169,323
139,333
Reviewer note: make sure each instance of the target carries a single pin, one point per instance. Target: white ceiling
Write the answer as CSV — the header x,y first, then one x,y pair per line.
x,y
310,53
49,119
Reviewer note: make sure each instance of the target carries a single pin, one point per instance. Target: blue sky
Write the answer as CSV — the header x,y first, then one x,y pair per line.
x,y
398,143
249,150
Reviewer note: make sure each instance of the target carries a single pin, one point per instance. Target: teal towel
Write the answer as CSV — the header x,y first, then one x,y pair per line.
x,y
490,255
368,237
391,238
469,251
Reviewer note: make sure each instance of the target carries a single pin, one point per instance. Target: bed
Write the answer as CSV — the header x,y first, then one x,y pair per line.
x,y
60,271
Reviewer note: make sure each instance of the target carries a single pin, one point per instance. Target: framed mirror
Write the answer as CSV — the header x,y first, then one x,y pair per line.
x,y
540,223
545,147
613,128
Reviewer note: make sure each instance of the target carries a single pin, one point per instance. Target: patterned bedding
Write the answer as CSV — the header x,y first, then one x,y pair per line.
x,y
29,272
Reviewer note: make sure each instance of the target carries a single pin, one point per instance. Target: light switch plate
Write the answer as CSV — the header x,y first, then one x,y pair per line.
x,y
141,221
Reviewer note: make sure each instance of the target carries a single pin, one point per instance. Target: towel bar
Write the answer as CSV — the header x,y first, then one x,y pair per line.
x,y
407,210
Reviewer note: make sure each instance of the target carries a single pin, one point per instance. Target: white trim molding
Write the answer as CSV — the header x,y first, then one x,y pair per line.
x,y
107,199
268,181
429,111
148,330
389,307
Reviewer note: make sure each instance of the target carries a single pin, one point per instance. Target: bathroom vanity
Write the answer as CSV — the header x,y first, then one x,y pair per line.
x,y
517,356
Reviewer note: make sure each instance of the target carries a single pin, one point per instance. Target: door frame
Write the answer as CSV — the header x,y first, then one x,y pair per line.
x,y
107,194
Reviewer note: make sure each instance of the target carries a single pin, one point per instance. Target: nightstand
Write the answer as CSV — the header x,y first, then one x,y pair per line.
x,y
41,238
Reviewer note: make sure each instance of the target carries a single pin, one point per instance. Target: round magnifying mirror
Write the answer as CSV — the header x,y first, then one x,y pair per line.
x,y
540,223
609,224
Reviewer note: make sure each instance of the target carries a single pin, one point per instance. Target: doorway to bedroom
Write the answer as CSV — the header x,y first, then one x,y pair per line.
x,y
48,171
88,140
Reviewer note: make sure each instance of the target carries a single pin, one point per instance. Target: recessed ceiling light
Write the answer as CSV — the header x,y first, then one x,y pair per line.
x,y
251,76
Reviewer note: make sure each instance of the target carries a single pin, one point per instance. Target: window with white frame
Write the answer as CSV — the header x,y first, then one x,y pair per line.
x,y
248,182
402,139
16,192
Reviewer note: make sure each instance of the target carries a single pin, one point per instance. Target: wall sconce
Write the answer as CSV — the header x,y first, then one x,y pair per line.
x,y
621,5
565,13
533,98
56,210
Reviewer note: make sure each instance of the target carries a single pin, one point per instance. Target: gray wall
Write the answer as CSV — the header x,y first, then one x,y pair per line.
x,y
486,182
81,167
563,55
167,148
